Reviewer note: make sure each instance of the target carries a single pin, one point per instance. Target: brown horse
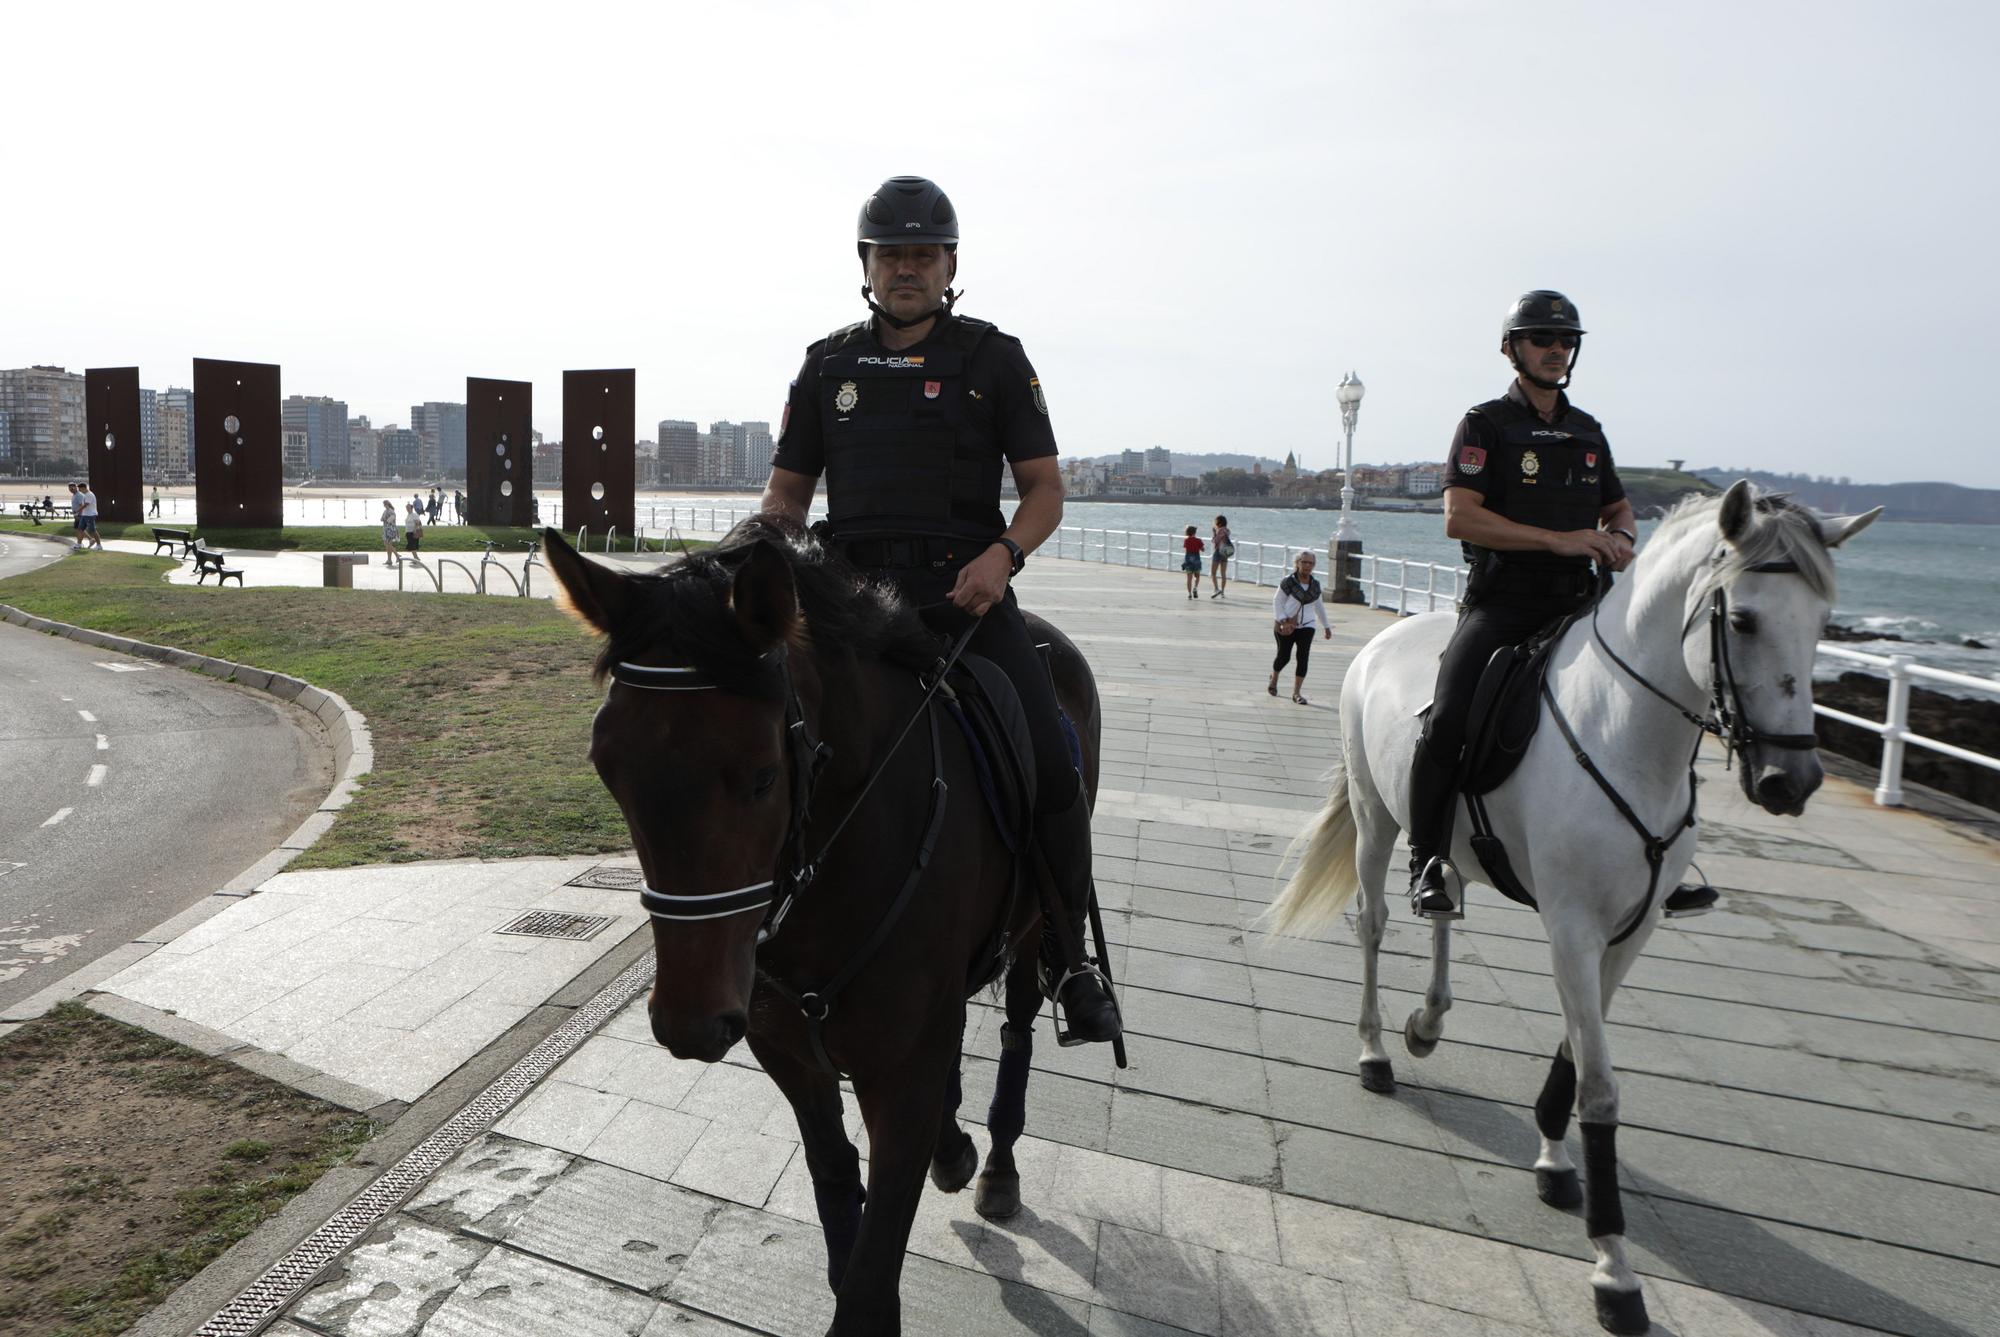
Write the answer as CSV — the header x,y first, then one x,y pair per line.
x,y
824,876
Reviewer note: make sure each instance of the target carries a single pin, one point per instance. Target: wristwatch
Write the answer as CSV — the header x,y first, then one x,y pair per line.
x,y
1630,537
1014,550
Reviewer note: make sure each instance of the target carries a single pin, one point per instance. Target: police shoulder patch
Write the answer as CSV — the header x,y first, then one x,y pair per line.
x,y
1471,459
1035,384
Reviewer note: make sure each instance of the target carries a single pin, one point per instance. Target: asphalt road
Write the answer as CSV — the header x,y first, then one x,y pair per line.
x,y
128,791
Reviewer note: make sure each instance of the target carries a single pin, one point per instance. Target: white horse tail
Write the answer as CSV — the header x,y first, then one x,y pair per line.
x,y
1325,880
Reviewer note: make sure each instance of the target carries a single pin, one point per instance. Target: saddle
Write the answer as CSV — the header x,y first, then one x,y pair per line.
x,y
988,712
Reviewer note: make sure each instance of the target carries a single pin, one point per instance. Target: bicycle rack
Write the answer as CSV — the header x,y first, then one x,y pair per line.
x,y
491,560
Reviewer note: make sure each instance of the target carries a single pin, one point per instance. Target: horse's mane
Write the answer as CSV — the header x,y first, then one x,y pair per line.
x,y
1782,531
685,610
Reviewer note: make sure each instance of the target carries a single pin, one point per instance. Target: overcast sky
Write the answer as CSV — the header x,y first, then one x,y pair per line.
x,y
1776,218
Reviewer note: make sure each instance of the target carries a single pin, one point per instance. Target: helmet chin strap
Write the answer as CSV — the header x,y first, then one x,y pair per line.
x,y
1568,371
868,295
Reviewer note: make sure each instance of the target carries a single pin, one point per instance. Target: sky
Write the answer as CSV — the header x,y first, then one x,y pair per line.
x,y
1772,216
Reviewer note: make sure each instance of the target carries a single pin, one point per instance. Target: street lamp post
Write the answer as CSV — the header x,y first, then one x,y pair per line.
x,y
1345,557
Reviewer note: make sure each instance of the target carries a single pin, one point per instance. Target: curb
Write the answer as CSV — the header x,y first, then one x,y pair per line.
x,y
353,758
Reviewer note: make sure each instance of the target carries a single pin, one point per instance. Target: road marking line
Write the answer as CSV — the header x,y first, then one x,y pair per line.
x,y
97,774
60,814
66,698
88,718
119,668
103,743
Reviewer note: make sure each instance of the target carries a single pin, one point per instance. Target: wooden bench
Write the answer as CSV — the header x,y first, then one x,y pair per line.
x,y
34,510
165,540
207,560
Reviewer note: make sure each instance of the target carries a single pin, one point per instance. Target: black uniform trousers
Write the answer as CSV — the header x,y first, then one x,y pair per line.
x,y
1484,626
1003,638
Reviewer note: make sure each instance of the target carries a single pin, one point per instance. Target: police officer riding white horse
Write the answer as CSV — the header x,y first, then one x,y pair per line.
x,y
1533,497
910,416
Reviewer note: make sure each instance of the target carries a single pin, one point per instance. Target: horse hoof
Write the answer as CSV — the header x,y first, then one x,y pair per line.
x,y
1558,1188
955,1176
1378,1076
998,1196
1415,1043
1622,1312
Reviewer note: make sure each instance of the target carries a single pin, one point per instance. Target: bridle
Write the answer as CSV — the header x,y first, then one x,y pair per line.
x,y
775,896
1726,719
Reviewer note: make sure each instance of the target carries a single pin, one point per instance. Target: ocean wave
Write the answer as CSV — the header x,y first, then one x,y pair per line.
x,y
1901,624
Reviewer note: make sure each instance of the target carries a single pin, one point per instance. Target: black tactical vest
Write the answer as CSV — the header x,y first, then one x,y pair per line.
x,y
1549,475
908,448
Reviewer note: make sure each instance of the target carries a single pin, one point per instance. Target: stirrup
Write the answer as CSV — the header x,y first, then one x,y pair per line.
x,y
1067,1038
1694,899
1441,890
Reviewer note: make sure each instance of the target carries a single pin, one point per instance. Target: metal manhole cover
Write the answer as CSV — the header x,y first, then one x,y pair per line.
x,y
610,878
555,924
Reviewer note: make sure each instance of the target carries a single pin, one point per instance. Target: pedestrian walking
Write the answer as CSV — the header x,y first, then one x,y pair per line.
x,y
156,502
458,504
1221,548
76,514
86,517
437,506
1191,562
413,525
389,531
1296,609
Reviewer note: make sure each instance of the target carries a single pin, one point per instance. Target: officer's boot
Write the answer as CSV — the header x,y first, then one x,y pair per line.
x,y
1690,899
1069,975
1433,791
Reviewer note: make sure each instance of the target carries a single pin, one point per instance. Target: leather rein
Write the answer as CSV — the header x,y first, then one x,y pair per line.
x,y
776,895
1725,720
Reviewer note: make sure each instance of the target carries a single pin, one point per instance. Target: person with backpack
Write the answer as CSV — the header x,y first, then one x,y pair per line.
x,y
1222,547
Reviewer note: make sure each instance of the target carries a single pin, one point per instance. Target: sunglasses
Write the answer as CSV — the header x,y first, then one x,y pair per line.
x,y
1540,339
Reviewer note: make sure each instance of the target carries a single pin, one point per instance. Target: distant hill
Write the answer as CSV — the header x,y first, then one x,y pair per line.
x,y
1943,503
1652,491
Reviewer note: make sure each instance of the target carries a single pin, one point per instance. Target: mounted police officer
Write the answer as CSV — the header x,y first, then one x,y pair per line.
x,y
910,415
1532,496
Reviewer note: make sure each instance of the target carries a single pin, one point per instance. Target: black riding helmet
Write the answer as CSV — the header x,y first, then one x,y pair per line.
x,y
1540,311
905,211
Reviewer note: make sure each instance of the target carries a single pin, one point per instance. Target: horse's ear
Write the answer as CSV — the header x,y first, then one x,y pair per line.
x,y
764,597
597,594
1835,530
1739,508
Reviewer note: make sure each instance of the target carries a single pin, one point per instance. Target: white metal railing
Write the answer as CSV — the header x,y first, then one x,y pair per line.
x,y
1440,590
1894,728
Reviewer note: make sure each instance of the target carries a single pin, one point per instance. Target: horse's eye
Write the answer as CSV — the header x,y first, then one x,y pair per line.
x,y
1743,621
760,784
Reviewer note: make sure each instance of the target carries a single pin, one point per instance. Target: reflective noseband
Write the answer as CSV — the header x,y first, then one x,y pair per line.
x,y
676,906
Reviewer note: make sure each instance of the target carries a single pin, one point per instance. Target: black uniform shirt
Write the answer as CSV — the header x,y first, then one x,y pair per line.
x,y
1009,414
1552,475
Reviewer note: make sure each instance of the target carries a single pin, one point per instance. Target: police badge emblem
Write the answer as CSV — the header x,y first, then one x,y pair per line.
x,y
1035,384
1530,464
846,397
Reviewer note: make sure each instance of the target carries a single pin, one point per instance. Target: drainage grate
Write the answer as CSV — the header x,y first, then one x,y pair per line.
x,y
610,878
555,924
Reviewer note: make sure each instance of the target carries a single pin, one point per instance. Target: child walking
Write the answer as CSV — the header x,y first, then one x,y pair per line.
x,y
1191,562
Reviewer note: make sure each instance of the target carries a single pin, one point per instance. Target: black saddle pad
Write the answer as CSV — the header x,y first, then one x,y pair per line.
x,y
1507,707
988,710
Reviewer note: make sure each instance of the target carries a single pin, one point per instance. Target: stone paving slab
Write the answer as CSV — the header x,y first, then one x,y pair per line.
x,y
1807,1083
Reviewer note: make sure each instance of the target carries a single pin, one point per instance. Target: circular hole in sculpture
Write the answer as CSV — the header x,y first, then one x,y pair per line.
x,y
506,488
230,424
506,464
597,492
228,459
239,440
110,441
503,436
597,434
500,450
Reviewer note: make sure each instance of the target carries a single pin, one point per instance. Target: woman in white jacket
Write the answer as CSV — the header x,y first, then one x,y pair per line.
x,y
1296,609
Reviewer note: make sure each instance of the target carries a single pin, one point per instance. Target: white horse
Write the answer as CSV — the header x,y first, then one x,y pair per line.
x,y
1713,630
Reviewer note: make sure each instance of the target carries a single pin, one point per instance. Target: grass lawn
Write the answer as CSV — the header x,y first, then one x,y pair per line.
x,y
480,706
131,1163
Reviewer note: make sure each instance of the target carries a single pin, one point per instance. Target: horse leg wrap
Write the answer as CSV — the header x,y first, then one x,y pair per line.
x,y
1603,1213
1008,1114
1558,1097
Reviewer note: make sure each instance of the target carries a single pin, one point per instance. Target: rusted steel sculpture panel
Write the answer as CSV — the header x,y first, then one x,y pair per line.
x,y
111,430
499,452
598,464
238,446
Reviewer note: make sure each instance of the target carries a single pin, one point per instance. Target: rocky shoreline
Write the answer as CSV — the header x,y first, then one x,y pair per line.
x,y
1968,723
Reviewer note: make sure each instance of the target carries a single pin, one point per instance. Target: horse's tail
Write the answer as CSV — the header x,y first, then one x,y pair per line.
x,y
1325,880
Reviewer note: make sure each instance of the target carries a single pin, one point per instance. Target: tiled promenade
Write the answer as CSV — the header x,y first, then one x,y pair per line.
x,y
1807,1082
